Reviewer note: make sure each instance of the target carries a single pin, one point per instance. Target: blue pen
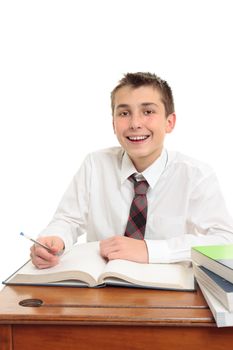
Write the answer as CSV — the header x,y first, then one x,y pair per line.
x,y
35,242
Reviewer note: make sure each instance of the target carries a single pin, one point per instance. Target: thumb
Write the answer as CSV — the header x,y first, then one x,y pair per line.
x,y
56,245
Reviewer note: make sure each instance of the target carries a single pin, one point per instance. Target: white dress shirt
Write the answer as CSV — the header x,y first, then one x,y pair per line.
x,y
185,204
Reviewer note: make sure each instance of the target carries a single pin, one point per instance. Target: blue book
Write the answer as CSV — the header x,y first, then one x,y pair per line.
x,y
217,285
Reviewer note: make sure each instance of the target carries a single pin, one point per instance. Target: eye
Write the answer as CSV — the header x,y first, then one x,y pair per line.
x,y
148,112
123,113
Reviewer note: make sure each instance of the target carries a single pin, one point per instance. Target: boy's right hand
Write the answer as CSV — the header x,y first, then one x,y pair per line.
x,y
43,258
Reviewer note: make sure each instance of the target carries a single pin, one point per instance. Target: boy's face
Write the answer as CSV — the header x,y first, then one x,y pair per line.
x,y
140,124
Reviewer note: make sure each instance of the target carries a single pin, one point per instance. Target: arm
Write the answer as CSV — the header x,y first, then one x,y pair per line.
x,y
69,220
207,223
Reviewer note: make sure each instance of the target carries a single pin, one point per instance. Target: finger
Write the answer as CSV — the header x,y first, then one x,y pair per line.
x,y
107,249
43,259
42,264
114,256
55,243
43,253
110,243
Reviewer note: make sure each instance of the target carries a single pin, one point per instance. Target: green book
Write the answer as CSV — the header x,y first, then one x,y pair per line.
x,y
216,258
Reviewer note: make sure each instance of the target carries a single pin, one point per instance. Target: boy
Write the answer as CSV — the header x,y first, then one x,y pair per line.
x,y
140,201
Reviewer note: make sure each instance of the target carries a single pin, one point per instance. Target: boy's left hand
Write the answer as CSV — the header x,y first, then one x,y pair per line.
x,y
121,247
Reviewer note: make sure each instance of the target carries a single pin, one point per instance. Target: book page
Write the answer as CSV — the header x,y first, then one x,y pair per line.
x,y
176,275
82,262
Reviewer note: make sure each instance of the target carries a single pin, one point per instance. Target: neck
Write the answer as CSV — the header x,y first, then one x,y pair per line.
x,y
142,163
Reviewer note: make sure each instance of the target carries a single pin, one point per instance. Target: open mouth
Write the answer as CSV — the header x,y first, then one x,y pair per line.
x,y
137,138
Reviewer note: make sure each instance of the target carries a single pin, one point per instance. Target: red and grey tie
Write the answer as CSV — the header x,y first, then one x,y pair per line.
x,y
138,211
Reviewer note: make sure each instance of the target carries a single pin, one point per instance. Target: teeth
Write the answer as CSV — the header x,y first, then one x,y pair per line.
x,y
137,138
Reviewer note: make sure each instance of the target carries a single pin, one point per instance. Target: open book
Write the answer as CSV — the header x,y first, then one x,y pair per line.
x,y
83,266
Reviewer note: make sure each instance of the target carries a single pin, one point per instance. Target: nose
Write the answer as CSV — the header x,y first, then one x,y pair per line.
x,y
135,121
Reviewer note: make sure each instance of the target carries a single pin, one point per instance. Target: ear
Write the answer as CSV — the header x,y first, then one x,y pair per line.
x,y
170,122
113,125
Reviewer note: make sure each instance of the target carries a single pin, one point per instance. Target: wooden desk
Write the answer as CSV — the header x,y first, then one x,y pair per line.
x,y
108,318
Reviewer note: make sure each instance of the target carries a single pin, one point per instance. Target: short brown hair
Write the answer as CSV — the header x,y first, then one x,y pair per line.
x,y
139,79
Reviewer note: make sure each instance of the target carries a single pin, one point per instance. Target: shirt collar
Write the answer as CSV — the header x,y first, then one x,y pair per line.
x,y
151,174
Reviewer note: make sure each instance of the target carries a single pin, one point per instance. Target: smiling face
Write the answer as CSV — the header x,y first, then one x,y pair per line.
x,y
140,123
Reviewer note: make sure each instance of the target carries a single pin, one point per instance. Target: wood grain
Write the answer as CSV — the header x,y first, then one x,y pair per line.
x,y
103,318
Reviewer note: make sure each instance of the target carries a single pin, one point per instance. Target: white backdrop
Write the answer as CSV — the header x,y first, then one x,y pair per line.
x,y
59,60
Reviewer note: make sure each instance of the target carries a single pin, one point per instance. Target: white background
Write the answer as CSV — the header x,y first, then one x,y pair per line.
x,y
59,60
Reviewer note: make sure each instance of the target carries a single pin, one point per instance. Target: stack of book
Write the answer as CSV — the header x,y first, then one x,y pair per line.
x,y
213,269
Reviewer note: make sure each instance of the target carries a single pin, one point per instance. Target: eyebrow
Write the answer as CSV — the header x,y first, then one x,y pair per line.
x,y
144,104
149,104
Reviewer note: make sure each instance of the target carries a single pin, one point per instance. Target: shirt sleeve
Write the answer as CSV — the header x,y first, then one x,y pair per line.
x,y
207,223
69,221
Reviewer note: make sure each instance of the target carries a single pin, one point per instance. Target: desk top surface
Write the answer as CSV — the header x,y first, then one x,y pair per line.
x,y
109,305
